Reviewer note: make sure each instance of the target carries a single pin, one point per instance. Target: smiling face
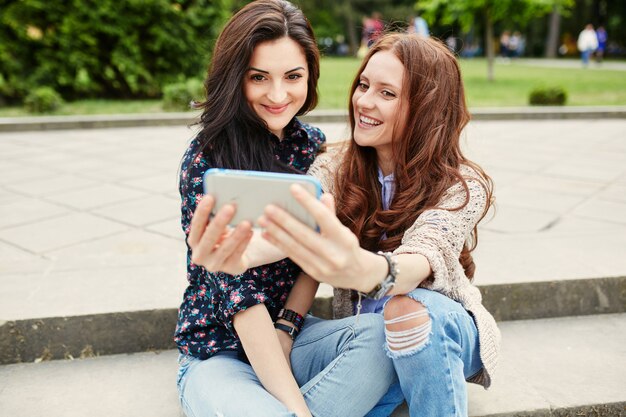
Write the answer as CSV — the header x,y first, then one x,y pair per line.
x,y
378,103
275,84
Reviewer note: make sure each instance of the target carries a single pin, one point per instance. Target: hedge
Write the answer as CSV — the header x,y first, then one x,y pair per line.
x,y
105,48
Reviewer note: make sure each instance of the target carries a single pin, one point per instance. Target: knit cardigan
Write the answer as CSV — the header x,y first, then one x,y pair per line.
x,y
439,235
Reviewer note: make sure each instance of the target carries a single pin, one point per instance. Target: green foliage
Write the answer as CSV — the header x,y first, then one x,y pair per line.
x,y
42,100
178,96
105,48
467,12
547,96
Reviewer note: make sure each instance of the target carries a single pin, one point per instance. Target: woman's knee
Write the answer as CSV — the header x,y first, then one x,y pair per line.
x,y
407,325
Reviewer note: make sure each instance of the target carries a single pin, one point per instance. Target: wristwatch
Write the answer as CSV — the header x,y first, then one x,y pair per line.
x,y
380,290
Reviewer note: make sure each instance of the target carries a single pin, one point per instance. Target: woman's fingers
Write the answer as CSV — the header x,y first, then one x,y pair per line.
x,y
236,257
212,235
329,201
200,219
321,212
230,246
291,244
294,231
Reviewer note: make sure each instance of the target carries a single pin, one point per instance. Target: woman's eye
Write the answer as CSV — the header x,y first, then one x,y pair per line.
x,y
294,76
388,94
362,86
257,77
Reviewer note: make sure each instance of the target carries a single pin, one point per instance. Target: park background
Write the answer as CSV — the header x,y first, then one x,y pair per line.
x,y
92,257
130,56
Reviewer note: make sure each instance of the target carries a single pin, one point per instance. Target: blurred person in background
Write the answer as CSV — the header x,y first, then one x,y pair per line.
x,y
587,43
602,41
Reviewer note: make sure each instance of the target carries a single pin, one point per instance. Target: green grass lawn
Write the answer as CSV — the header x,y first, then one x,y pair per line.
x,y
513,83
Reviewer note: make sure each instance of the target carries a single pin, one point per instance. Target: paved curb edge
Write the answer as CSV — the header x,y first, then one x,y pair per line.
x,y
51,338
42,123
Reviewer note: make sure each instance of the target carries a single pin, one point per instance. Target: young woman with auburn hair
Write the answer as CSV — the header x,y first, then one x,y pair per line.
x,y
398,242
236,331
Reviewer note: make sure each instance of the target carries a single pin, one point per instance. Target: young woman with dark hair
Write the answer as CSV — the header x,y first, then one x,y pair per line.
x,y
236,331
399,241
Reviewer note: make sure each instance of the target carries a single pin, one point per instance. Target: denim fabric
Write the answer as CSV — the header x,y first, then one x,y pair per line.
x,y
432,376
339,365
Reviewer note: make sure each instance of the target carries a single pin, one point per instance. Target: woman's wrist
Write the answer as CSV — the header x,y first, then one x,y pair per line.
x,y
374,269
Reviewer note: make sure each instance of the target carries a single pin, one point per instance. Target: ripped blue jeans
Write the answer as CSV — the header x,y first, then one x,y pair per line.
x,y
330,359
433,359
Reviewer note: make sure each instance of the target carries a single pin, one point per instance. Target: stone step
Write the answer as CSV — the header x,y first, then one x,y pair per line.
x,y
100,121
77,336
572,366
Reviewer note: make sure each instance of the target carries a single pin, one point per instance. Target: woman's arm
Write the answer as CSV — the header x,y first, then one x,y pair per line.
x,y
260,342
300,300
334,255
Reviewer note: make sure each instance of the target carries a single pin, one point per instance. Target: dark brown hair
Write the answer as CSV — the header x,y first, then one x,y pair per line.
x,y
426,150
232,135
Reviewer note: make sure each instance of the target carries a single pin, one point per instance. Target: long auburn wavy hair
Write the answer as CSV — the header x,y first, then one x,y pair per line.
x,y
232,135
426,150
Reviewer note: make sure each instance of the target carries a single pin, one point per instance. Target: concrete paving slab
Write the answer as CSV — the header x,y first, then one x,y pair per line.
x,y
96,197
546,369
25,210
117,172
544,200
573,249
17,174
50,185
60,232
142,211
162,183
615,192
113,386
15,260
511,219
558,185
611,211
570,169
170,228
101,291
132,248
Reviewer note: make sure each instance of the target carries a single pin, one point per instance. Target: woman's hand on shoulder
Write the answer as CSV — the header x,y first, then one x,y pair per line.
x,y
213,244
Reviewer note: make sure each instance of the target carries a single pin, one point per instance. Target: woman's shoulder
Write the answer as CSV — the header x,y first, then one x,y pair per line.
x,y
314,134
473,182
326,165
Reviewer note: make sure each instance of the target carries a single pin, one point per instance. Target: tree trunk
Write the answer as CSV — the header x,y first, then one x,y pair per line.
x,y
489,45
552,43
349,16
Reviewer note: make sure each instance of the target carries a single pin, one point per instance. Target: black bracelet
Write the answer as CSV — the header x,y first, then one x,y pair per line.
x,y
292,317
291,331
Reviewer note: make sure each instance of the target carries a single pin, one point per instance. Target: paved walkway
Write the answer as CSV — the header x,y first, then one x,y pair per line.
x,y
565,63
89,218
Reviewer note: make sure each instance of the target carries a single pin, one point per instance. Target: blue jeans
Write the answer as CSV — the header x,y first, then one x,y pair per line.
x,y
432,376
338,364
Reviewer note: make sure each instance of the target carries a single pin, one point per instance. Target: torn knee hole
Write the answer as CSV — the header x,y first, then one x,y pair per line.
x,y
408,331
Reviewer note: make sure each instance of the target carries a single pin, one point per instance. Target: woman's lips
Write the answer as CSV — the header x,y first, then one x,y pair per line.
x,y
276,109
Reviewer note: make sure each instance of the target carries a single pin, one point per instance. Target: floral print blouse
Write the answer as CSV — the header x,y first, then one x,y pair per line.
x,y
205,325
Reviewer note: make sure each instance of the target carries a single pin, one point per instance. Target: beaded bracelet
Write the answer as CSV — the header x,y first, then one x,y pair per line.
x,y
380,290
292,317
